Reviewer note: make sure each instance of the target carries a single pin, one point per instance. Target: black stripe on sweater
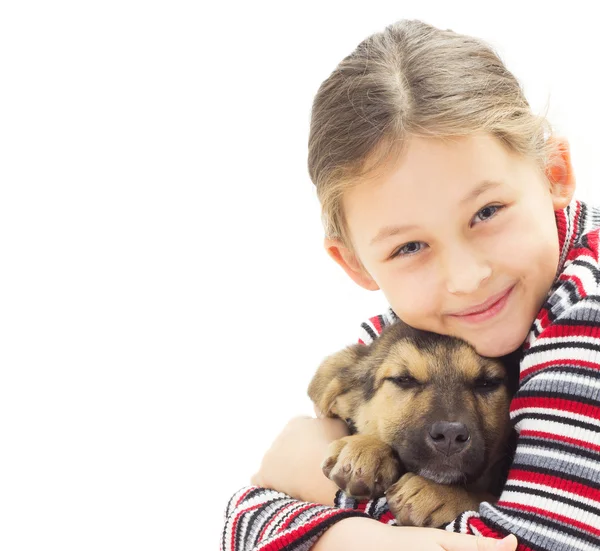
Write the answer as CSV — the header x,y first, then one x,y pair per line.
x,y
570,322
321,527
556,419
532,536
553,346
590,267
573,449
369,330
537,470
546,393
572,290
553,497
540,521
250,523
567,369
253,515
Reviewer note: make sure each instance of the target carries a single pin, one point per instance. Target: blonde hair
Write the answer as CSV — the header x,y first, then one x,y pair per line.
x,y
412,79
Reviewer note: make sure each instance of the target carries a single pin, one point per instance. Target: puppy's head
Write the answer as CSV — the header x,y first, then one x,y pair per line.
x,y
433,399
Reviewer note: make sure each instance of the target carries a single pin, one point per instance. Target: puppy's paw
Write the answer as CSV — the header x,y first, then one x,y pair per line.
x,y
361,465
417,501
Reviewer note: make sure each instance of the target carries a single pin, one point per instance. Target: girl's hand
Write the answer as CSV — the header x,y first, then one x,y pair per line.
x,y
357,534
293,463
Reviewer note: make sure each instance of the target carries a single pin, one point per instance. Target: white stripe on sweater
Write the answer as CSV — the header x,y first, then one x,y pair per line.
x,y
566,541
547,454
575,378
558,491
566,354
531,423
562,429
558,507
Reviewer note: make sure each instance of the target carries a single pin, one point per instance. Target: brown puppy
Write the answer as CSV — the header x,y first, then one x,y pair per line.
x,y
430,423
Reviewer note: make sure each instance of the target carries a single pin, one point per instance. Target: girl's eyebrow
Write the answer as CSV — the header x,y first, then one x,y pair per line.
x,y
481,188
391,231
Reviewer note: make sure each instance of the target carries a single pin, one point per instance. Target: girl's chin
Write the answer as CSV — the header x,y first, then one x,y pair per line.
x,y
496,346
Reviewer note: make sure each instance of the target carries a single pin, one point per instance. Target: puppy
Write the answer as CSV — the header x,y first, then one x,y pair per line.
x,y
429,423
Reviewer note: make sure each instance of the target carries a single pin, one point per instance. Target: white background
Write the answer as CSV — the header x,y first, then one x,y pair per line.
x,y
164,294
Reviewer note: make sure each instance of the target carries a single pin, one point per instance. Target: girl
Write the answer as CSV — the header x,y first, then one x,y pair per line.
x,y
441,188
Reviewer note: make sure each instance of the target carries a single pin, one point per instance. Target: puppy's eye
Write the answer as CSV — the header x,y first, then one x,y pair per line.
x,y
404,381
487,384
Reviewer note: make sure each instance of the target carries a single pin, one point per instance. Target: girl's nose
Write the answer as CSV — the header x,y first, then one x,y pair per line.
x,y
465,272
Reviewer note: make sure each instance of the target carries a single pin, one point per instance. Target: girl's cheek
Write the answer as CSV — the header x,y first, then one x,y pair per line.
x,y
413,292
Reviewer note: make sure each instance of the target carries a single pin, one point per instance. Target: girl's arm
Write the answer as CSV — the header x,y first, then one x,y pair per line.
x,y
364,534
261,519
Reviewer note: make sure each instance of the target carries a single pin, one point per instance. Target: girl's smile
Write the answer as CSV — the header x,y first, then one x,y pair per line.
x,y
487,310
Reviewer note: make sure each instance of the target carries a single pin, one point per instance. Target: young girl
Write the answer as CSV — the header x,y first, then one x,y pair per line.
x,y
441,188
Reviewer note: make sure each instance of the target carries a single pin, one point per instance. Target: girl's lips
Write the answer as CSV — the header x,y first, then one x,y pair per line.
x,y
486,310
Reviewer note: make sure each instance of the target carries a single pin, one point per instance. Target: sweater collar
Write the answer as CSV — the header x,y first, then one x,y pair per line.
x,y
569,223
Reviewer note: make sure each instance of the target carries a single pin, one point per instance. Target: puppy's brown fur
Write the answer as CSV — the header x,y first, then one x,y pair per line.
x,y
422,403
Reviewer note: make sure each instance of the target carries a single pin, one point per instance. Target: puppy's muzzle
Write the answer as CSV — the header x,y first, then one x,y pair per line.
x,y
448,438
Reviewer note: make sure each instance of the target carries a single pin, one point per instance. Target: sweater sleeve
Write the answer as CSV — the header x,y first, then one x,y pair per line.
x,y
259,519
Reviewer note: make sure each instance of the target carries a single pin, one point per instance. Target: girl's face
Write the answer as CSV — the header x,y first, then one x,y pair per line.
x,y
461,237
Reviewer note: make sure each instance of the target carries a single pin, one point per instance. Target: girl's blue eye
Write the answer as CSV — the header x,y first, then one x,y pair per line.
x,y
488,212
410,248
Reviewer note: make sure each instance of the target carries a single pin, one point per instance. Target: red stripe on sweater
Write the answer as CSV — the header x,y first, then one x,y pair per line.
x,y
560,404
559,438
560,361
298,532
549,514
543,319
576,220
362,505
484,529
235,522
387,517
592,239
570,331
288,506
578,252
487,532
295,514
243,496
376,324
561,226
556,483
576,281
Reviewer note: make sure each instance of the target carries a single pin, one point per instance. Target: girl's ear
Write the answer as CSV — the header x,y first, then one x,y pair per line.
x,y
559,172
350,263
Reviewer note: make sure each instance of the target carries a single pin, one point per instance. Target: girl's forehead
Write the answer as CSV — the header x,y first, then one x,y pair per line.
x,y
479,156
460,166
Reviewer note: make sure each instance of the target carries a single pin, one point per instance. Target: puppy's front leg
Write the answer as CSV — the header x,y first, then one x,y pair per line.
x,y
417,501
362,465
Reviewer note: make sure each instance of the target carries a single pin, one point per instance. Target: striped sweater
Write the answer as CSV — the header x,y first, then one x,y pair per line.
x,y
551,500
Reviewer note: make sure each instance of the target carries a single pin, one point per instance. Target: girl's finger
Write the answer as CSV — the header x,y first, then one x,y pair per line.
x,y
479,543
509,543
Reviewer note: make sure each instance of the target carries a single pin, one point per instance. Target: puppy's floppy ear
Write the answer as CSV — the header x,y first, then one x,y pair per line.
x,y
336,376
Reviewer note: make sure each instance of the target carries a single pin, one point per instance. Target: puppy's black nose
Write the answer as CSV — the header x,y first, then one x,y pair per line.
x,y
449,438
